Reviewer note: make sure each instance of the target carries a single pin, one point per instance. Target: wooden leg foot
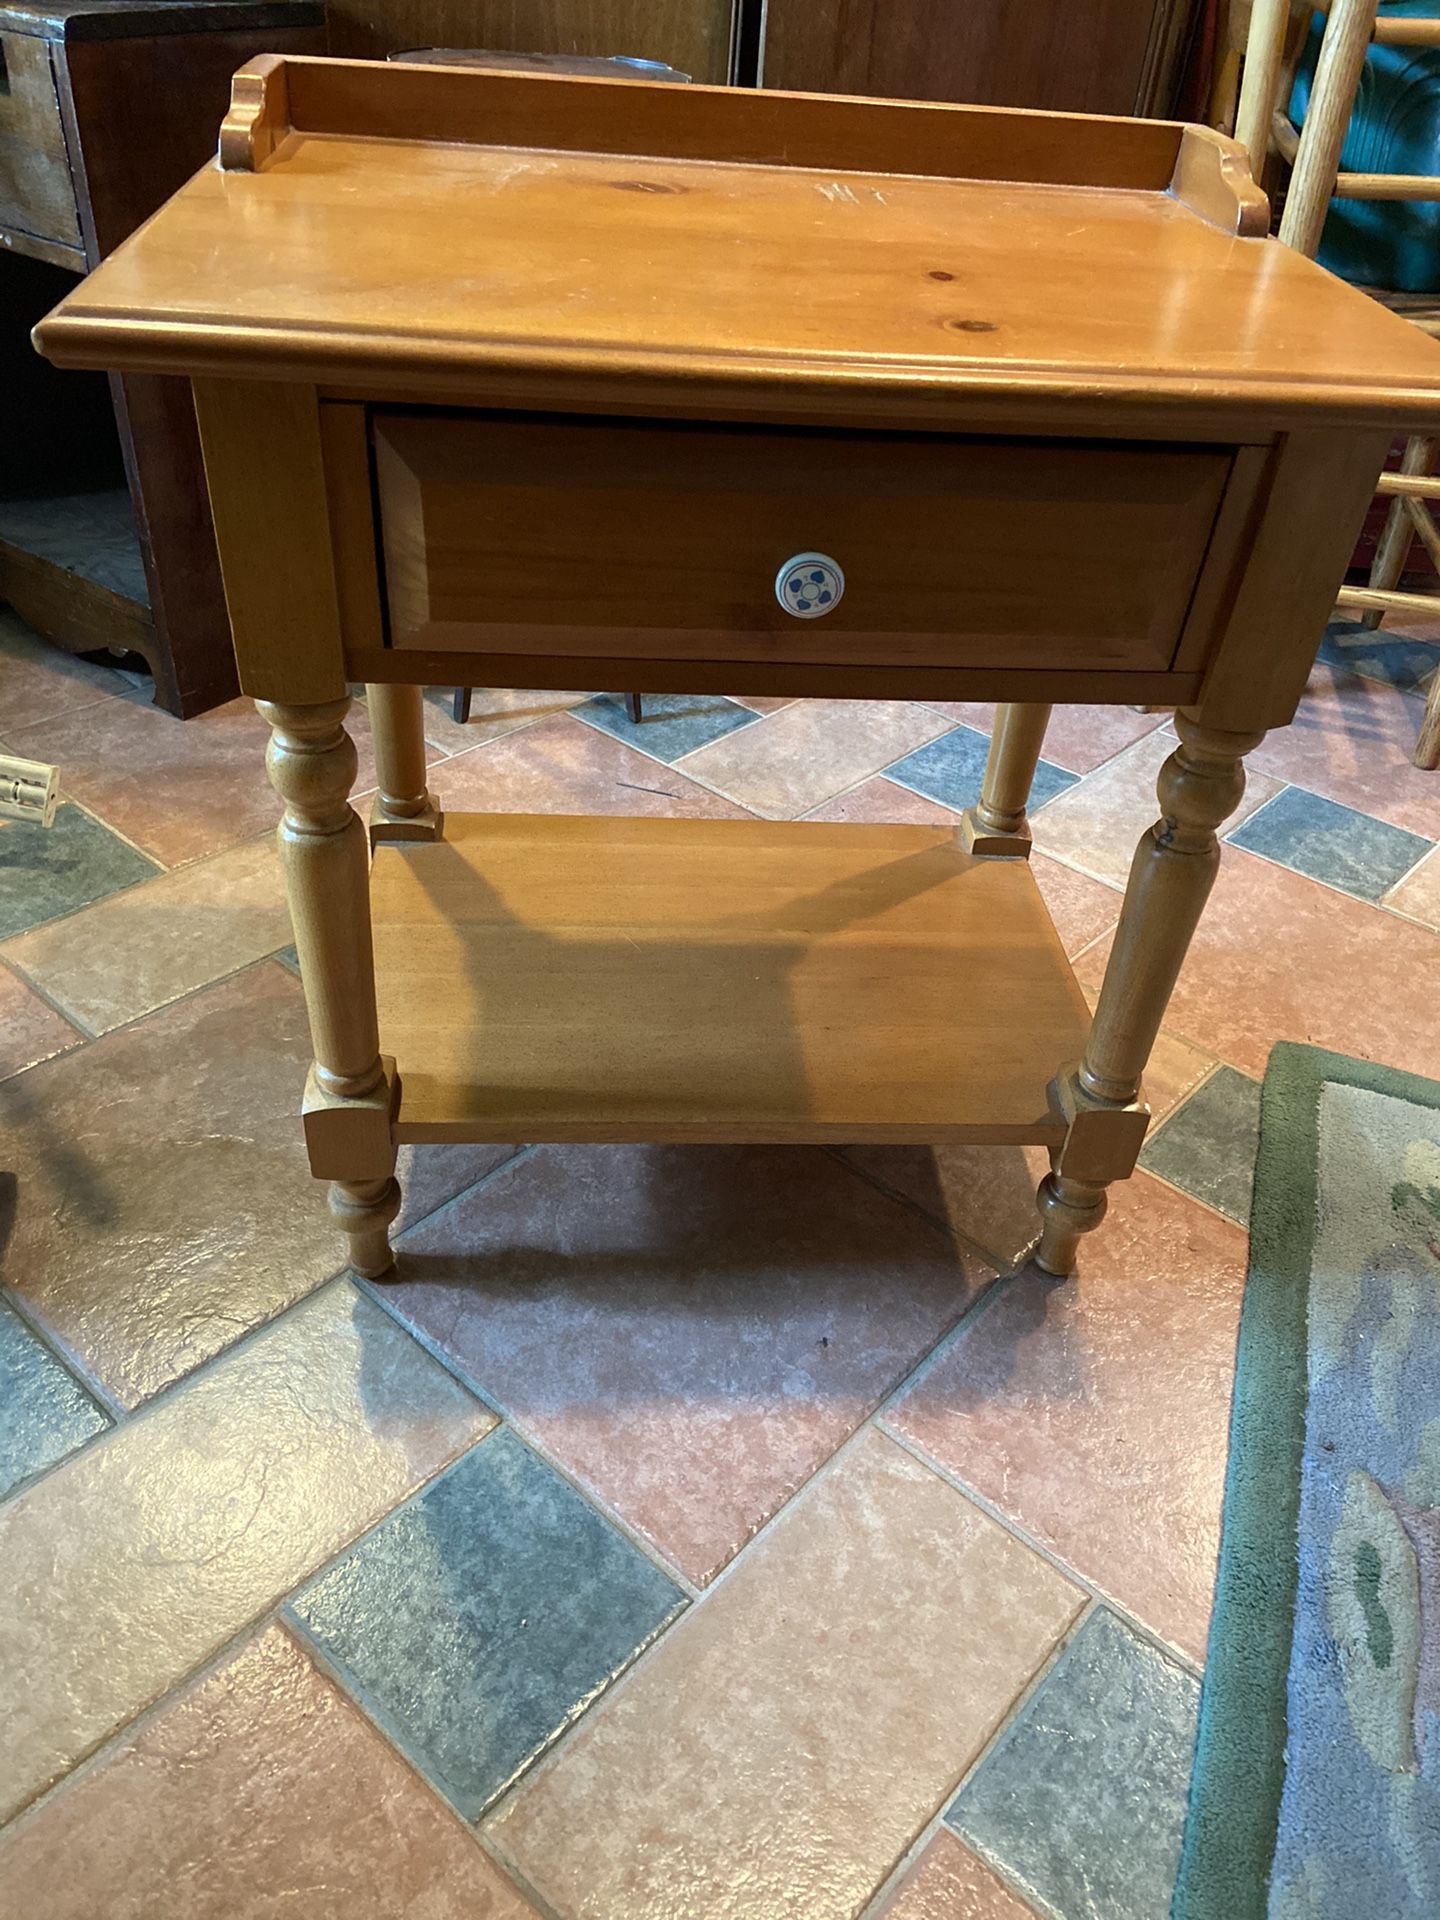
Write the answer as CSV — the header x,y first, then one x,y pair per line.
x,y
1068,1208
363,1211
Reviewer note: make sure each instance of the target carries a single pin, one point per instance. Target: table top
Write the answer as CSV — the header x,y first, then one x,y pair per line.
x,y
408,229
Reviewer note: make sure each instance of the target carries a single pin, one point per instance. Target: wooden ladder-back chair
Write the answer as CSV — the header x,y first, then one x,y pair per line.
x,y
1313,152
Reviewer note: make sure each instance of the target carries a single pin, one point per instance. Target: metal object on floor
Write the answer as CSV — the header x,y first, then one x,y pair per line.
x,y
29,790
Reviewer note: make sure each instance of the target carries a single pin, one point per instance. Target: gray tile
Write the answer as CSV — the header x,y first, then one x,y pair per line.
x,y
44,1411
47,871
1318,837
478,1622
1082,1800
1207,1146
1380,655
951,768
289,959
670,724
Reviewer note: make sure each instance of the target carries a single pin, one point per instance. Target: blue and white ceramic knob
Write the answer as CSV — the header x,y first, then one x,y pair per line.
x,y
810,585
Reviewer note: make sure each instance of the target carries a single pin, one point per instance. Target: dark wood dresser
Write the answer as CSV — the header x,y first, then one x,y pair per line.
x,y
106,108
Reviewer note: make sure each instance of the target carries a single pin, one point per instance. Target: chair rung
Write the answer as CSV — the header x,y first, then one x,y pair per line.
x,y
1396,31
1372,600
1418,486
1387,186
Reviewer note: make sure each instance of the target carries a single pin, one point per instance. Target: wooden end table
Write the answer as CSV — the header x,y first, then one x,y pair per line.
x,y
534,381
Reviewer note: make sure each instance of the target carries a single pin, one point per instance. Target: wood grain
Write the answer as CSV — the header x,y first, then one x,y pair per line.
x,y
1089,56
693,35
1123,296
35,191
552,978
494,530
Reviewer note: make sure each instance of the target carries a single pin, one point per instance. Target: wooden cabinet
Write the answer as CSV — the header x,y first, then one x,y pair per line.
x,y
691,35
1077,56
106,108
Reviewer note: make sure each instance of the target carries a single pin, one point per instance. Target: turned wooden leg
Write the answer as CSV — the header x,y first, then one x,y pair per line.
x,y
1427,747
350,1094
997,823
363,1210
403,808
1174,868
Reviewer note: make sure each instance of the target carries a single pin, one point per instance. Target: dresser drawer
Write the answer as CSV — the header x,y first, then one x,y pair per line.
x,y
657,540
36,194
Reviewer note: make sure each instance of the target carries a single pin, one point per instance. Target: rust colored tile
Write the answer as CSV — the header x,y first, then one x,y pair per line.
x,y
949,1882
1280,957
786,1740
1094,1412
1095,825
1077,738
1418,894
987,1194
691,1331
562,766
163,1201
1353,740
885,801
179,789
143,947
140,1557
1081,908
29,1030
260,1791
38,681
805,753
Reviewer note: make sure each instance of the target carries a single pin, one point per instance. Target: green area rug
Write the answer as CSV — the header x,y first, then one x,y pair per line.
x,y
1316,1787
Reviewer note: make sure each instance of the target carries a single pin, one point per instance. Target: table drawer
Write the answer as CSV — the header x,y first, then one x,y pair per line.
x,y
36,193
671,540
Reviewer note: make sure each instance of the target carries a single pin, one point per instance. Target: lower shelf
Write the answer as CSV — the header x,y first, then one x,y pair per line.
x,y
543,977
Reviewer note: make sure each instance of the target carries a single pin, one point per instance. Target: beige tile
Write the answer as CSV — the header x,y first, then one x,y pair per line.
x,y
1418,894
29,1030
1279,957
561,765
141,948
1077,738
1094,1412
1353,740
1095,824
949,1882
493,711
259,1792
784,1743
143,1555
810,751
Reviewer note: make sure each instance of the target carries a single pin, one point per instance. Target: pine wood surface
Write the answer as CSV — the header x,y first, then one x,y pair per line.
x,y
1081,269
554,978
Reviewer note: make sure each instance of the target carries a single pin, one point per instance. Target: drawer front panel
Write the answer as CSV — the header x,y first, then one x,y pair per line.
x,y
36,195
664,541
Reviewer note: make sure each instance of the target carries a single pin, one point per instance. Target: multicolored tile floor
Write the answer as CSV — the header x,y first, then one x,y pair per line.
x,y
691,1534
